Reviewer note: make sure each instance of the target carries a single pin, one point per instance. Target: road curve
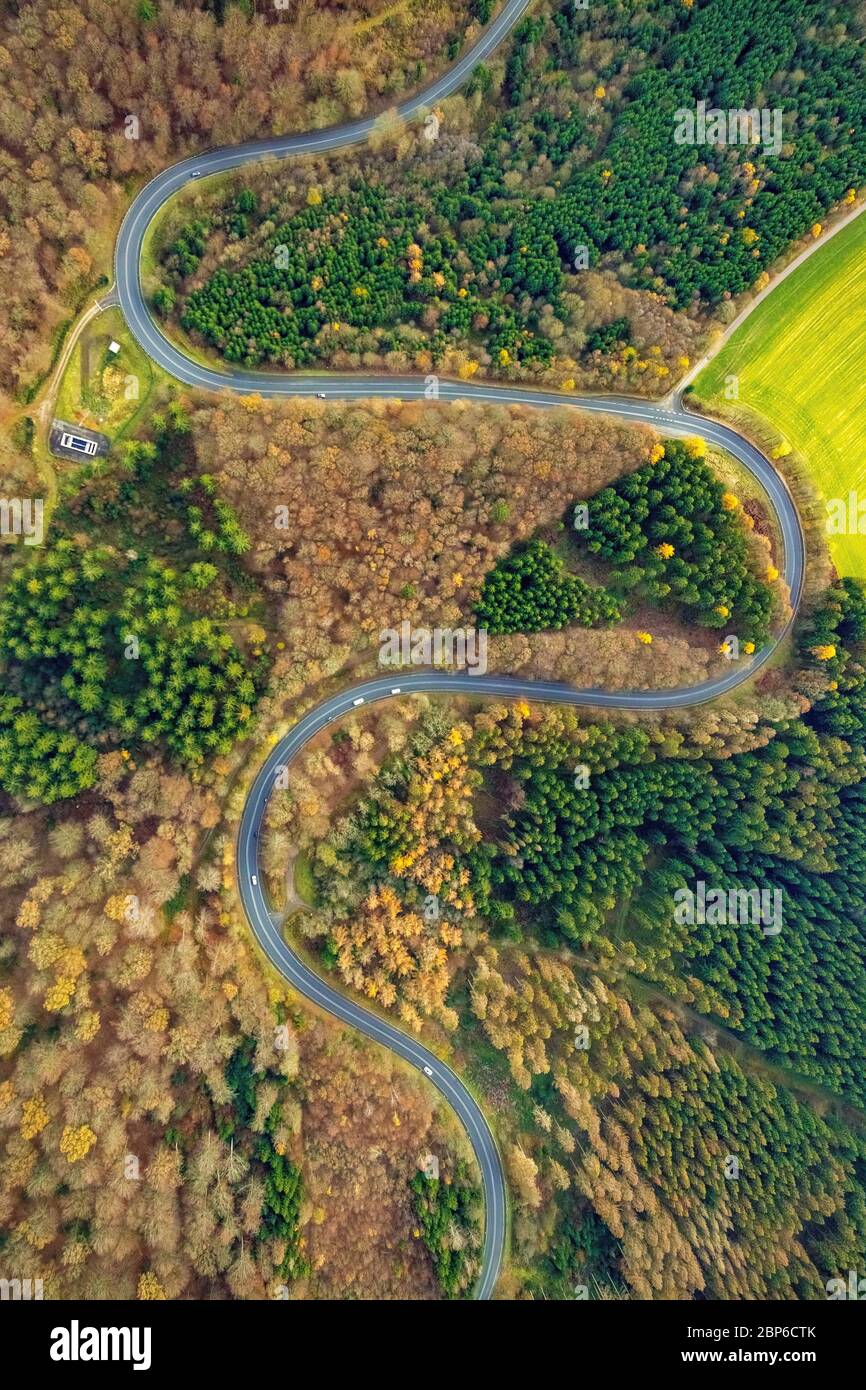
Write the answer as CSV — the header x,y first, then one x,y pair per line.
x,y
668,418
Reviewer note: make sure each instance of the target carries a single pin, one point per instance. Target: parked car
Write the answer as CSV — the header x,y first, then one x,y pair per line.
x,y
78,443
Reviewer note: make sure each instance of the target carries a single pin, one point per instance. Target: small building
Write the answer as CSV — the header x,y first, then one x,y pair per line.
x,y
113,346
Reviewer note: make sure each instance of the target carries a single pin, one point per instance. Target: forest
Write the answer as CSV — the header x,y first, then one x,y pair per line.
x,y
180,589
677,537
513,870
448,1211
673,536
118,646
123,940
246,1113
680,1104
596,828
650,1164
101,94
530,591
430,497
172,1123
484,250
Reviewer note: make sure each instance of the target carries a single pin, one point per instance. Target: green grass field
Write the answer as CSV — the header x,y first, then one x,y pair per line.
x,y
106,393
799,360
305,883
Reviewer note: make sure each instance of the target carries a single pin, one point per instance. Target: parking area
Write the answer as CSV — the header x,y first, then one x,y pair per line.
x,y
69,441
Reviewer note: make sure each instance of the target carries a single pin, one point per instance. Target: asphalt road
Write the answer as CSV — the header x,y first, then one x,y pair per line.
x,y
668,418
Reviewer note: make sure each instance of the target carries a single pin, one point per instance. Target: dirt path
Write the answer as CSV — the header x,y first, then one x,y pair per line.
x,y
43,411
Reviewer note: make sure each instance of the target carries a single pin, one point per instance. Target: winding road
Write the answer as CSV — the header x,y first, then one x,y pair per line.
x,y
667,417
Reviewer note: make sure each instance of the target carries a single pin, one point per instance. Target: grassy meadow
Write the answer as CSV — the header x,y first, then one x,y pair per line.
x,y
799,364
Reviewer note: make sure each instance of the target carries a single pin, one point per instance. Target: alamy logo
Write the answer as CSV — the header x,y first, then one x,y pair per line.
x,y
710,126
77,1343
854,1288
463,648
738,906
846,516
16,1290
22,516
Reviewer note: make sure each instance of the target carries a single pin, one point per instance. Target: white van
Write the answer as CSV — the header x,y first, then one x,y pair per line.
x,y
78,443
